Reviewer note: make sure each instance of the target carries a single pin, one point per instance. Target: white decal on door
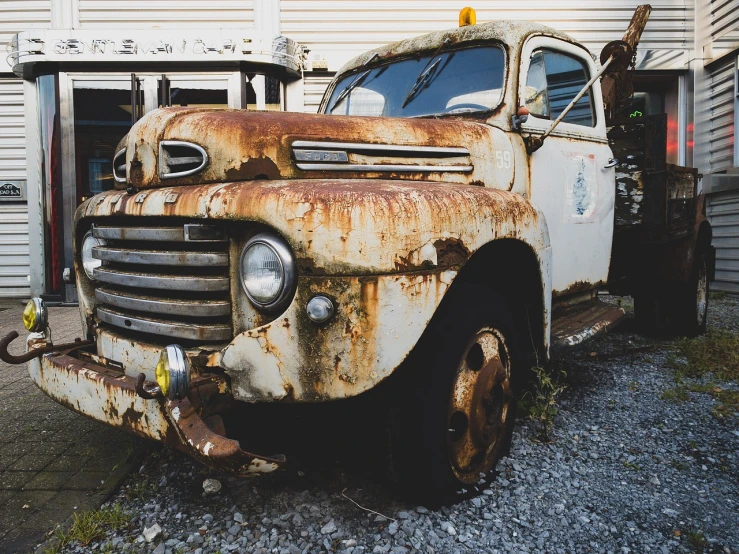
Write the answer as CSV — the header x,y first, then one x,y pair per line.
x,y
581,188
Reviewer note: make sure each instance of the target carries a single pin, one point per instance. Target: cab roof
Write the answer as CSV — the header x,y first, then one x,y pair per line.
x,y
508,32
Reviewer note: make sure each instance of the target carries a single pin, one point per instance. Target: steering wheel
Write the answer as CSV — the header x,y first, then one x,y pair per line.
x,y
476,107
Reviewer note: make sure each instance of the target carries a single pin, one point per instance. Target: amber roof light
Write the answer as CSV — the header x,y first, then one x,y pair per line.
x,y
467,16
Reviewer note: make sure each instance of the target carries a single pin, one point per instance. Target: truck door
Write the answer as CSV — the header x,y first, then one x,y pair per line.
x,y
570,179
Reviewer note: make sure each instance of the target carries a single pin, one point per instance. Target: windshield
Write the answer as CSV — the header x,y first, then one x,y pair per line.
x,y
449,82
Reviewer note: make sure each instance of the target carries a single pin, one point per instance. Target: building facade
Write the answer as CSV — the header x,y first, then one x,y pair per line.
x,y
80,71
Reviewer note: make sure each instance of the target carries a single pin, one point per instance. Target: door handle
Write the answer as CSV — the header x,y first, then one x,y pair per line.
x,y
612,162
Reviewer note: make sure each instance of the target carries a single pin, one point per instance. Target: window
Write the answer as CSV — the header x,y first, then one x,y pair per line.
x,y
449,82
554,79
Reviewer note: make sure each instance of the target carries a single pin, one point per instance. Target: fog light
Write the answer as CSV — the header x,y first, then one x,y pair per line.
x,y
173,372
34,315
320,309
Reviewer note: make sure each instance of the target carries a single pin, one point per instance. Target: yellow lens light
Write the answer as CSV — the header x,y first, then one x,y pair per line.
x,y
467,16
30,315
161,373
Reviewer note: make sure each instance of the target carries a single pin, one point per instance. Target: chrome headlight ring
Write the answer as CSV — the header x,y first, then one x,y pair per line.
x,y
89,263
287,269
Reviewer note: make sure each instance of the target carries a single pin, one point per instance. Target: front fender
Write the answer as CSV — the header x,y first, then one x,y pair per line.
x,y
387,251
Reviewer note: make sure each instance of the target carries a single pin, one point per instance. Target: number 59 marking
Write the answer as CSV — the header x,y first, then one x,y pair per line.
x,y
502,159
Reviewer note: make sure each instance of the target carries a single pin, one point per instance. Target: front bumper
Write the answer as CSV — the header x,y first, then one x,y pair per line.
x,y
110,396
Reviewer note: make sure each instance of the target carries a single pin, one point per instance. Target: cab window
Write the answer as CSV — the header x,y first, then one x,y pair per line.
x,y
554,79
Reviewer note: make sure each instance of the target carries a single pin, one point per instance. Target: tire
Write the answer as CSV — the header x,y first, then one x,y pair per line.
x,y
457,405
690,313
647,313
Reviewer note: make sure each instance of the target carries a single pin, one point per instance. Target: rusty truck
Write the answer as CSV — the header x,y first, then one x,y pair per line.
x,y
446,220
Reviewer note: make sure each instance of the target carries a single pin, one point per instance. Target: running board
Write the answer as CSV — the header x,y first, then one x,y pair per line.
x,y
576,324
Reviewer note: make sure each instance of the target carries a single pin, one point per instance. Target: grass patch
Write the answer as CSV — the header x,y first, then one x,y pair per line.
x,y
717,295
675,395
727,404
90,526
715,353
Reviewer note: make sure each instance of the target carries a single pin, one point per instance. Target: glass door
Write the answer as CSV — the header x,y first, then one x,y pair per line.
x,y
102,117
95,113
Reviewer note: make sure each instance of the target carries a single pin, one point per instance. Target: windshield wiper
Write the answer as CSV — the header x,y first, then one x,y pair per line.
x,y
421,80
350,87
425,73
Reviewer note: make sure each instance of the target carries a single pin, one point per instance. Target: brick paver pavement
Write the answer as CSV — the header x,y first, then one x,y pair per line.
x,y
53,461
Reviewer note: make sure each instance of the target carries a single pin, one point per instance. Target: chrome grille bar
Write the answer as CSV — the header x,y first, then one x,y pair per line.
x,y
387,167
165,306
153,257
162,234
160,281
196,332
370,147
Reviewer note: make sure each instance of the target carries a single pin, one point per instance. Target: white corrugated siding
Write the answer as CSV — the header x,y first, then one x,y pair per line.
x,y
341,29
723,213
14,259
314,86
724,26
721,117
165,14
20,15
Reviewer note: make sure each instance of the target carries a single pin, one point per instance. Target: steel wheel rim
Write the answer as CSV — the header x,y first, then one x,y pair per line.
x,y
480,405
702,293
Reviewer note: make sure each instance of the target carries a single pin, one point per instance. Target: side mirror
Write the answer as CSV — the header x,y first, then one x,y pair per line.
x,y
522,115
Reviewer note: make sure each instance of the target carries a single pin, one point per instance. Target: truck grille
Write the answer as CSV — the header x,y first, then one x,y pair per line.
x,y
168,281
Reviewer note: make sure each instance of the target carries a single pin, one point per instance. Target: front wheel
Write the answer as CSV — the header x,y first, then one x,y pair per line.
x,y
458,402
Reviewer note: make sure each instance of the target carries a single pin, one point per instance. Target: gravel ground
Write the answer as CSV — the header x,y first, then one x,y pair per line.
x,y
626,471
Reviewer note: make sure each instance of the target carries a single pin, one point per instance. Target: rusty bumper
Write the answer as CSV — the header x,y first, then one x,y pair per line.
x,y
110,396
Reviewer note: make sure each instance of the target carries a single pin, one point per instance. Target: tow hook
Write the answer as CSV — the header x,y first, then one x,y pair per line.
x,y
9,358
147,391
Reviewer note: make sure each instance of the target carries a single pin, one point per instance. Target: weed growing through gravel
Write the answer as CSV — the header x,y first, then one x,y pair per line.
x,y
90,526
697,541
541,400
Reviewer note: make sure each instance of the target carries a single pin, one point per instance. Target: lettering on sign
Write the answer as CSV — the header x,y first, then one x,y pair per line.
x,y
12,190
129,46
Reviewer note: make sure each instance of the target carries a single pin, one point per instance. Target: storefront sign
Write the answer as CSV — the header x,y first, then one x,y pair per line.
x,y
12,191
63,45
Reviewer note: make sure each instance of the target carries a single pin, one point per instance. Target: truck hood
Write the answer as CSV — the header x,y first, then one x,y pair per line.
x,y
186,146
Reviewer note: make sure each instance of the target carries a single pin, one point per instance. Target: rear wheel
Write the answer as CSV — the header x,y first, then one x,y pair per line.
x,y
677,308
458,401
691,302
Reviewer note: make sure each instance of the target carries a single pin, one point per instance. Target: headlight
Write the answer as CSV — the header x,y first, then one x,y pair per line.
x,y
267,271
88,262
172,373
34,315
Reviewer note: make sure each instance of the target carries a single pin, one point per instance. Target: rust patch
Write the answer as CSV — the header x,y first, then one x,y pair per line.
x,y
451,252
254,168
575,288
131,418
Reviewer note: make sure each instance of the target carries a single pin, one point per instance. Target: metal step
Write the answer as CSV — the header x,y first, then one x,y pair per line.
x,y
576,324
